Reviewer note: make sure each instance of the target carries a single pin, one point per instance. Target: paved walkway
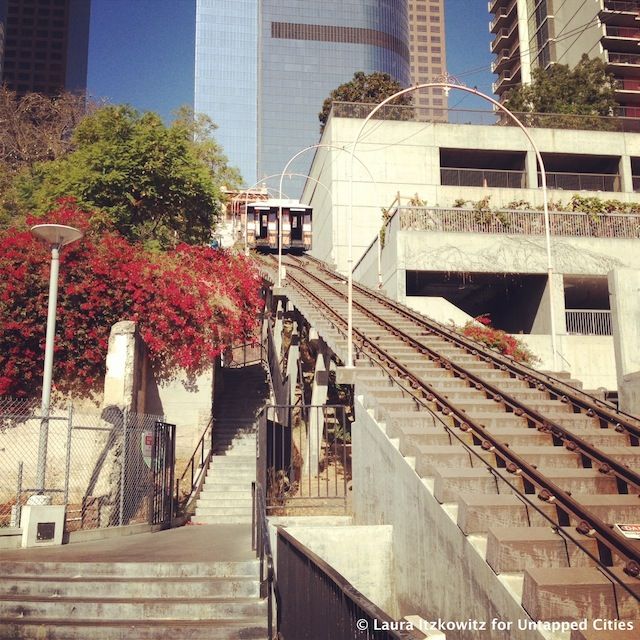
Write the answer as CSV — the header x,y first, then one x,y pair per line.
x,y
191,543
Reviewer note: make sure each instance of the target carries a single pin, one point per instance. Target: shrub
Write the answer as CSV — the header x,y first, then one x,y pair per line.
x,y
189,303
498,340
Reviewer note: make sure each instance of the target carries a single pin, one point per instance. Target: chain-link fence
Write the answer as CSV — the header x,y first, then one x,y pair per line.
x,y
100,464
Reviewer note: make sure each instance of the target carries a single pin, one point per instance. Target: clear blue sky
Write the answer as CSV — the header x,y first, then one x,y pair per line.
x,y
141,52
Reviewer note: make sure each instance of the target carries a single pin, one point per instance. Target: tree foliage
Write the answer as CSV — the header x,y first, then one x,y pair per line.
x,y
146,177
586,90
188,302
36,128
364,88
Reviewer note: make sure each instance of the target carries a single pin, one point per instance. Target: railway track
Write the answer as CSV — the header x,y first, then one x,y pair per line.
x,y
539,467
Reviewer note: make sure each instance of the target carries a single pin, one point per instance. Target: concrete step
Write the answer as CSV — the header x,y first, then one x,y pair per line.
x,y
77,570
608,630
548,456
208,501
575,593
130,608
477,512
224,461
221,519
222,510
120,588
430,458
514,549
28,629
448,483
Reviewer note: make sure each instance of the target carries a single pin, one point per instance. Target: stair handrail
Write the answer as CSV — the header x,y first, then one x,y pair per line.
x,y
197,478
350,609
262,546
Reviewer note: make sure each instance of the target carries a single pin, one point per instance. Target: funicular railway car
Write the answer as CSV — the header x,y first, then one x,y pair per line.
x,y
262,225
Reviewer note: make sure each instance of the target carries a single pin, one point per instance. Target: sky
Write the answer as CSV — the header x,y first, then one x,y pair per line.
x,y
142,59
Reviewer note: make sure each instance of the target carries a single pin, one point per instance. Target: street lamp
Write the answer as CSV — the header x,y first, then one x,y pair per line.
x,y
447,83
56,236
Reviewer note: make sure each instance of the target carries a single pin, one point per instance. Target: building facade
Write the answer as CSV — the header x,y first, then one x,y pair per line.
x,y
538,33
277,62
428,54
468,235
45,45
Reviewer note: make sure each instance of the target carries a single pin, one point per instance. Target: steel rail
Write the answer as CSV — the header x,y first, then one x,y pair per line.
x,y
573,442
578,398
549,492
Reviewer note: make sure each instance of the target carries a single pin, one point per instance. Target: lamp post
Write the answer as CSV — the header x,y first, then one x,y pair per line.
x,y
447,83
56,236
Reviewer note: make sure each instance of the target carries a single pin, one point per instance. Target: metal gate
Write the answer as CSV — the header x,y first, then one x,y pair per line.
x,y
305,457
163,469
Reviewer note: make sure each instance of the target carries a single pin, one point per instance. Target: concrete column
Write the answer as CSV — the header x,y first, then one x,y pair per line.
x,y
121,382
292,363
316,418
624,290
277,330
542,320
531,169
626,175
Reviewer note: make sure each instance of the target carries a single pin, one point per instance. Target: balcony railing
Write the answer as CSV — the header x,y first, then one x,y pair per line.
x,y
624,58
513,222
621,5
496,178
588,322
623,32
626,119
581,181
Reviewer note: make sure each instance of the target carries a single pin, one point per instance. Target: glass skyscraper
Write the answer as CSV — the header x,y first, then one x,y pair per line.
x,y
264,68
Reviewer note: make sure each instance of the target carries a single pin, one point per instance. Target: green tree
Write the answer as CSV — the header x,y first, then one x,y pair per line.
x,y
365,88
150,180
585,90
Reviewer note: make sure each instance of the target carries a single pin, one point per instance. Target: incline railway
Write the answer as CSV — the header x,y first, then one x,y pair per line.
x,y
531,461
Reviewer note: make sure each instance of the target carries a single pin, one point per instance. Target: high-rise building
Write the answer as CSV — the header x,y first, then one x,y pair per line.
x,y
3,12
264,68
428,57
539,33
45,45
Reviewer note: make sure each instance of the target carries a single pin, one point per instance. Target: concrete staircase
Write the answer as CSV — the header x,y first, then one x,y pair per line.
x,y
226,493
124,600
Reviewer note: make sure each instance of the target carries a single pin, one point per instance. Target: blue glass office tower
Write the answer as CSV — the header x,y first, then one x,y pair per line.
x,y
226,76
276,61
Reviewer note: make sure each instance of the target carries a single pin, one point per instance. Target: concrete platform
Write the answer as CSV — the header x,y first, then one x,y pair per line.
x,y
191,543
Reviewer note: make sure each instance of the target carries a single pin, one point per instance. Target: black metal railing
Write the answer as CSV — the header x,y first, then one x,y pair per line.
x,y
262,546
163,470
318,603
195,470
305,453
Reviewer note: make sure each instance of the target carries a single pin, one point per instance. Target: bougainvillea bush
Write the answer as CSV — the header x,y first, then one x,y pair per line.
x,y
189,303
498,339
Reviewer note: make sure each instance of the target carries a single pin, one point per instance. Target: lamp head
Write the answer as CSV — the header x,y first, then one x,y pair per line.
x,y
56,234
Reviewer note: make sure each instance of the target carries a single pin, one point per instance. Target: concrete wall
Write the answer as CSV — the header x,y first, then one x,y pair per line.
x,y
438,572
589,359
404,157
351,552
131,382
624,295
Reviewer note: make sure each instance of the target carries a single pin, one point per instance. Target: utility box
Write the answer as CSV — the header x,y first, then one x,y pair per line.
x,y
42,524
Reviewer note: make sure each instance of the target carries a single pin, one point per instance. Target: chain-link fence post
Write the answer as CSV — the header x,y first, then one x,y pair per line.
x,y
15,515
123,461
67,466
